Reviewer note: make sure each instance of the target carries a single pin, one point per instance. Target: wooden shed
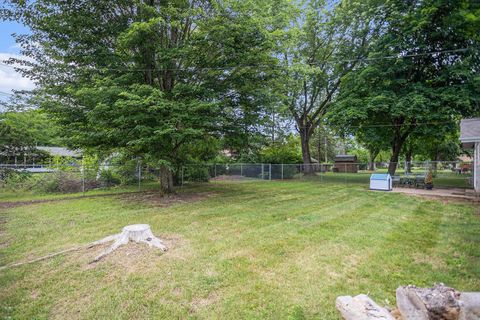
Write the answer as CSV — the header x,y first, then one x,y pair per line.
x,y
345,163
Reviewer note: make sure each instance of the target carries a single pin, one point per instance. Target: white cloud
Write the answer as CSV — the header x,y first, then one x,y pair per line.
x,y
9,78
15,48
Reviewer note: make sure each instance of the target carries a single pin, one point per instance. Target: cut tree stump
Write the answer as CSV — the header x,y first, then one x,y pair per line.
x,y
361,307
439,303
140,233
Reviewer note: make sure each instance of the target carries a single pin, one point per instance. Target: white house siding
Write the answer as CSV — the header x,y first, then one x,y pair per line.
x,y
476,167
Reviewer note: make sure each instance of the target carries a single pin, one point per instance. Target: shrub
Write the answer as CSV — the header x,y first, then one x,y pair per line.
x,y
287,152
108,178
63,182
289,171
59,182
196,173
429,177
127,172
13,178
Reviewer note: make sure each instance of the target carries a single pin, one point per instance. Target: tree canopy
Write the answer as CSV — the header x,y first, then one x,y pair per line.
x,y
429,82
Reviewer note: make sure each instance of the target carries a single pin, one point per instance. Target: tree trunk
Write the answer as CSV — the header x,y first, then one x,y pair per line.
x,y
408,159
319,151
305,142
372,154
166,180
396,148
435,161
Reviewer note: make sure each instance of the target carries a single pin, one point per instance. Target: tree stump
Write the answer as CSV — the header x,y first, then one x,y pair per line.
x,y
361,307
140,233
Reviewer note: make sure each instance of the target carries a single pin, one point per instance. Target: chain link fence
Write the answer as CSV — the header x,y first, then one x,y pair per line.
x,y
133,175
445,174
75,177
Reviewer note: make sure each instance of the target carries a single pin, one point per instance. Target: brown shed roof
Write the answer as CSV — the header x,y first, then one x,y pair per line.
x,y
345,158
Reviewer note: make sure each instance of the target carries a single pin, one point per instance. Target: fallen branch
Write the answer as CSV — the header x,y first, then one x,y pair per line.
x,y
51,255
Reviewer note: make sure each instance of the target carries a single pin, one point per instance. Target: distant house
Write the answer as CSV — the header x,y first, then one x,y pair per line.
x,y
61,152
470,138
32,166
27,156
345,163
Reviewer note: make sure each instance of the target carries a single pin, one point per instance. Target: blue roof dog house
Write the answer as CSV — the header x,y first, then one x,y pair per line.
x,y
379,181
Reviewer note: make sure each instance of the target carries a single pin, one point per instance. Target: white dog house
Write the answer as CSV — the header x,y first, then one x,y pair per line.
x,y
380,181
470,138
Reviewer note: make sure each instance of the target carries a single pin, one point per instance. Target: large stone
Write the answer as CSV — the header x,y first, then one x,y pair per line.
x,y
361,307
439,303
470,305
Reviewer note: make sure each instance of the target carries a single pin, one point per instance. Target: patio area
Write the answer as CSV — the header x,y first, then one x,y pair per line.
x,y
447,194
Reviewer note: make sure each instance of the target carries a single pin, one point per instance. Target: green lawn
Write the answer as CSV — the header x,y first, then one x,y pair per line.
x,y
269,250
12,194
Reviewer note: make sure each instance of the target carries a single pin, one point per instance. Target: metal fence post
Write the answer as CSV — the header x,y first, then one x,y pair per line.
x,y
139,165
183,169
282,171
270,171
83,179
262,172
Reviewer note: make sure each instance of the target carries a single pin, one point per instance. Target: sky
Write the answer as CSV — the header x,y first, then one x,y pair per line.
x,y
9,79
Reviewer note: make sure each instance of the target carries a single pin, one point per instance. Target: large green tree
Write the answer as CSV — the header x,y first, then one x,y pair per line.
x,y
149,77
322,45
421,76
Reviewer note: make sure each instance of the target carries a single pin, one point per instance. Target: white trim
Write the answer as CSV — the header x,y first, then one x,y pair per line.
x,y
470,139
476,167
470,119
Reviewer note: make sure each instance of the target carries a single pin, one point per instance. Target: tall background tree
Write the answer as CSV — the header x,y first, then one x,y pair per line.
x,y
323,45
421,76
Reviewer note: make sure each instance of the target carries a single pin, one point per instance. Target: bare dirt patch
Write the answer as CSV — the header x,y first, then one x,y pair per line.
x,y
434,261
156,199
130,258
229,178
444,195
198,303
445,200
14,204
152,197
